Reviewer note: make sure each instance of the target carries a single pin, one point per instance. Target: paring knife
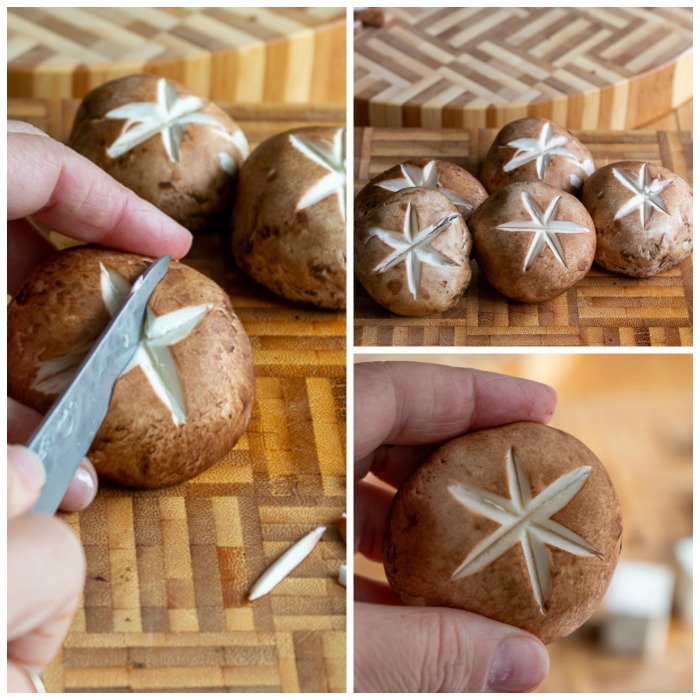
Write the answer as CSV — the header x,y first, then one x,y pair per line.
x,y
64,436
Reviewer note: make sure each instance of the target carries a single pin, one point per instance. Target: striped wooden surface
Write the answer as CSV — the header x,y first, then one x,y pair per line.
x,y
585,68
164,606
253,55
603,309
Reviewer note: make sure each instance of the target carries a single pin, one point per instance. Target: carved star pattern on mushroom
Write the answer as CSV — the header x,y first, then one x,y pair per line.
x,y
413,247
525,520
332,158
546,228
152,354
646,194
427,176
168,116
540,150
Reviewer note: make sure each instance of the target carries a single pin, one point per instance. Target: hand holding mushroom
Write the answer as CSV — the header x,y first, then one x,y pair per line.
x,y
401,411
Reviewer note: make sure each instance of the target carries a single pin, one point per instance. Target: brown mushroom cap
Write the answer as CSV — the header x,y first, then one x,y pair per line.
x,y
443,516
426,277
643,214
145,441
534,149
518,261
188,170
286,234
460,186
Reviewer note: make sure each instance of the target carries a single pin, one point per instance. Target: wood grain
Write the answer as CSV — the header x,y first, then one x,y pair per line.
x,y
585,68
603,309
164,606
253,55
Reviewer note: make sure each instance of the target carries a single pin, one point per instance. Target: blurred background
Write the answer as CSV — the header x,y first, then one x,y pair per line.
x,y
635,413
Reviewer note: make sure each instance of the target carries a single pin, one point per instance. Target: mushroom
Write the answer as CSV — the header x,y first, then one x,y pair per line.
x,y
533,149
178,151
519,524
532,242
643,215
187,395
288,225
412,252
460,187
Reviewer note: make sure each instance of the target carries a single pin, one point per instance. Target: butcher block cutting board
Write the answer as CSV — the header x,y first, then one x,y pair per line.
x,y
164,607
590,68
602,309
252,55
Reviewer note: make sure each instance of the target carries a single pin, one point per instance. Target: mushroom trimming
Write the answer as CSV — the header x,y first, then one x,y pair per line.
x,y
283,566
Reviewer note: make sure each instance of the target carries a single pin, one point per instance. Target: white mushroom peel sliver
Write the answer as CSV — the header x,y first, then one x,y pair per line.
x,y
286,563
525,520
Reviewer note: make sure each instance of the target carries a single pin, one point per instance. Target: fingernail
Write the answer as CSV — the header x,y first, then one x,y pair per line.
x,y
82,489
28,466
520,664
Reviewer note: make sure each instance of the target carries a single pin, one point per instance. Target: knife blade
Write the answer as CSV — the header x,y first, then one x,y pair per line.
x,y
64,436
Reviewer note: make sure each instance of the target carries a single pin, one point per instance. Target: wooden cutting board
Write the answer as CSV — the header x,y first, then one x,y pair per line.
x,y
248,55
603,309
590,68
164,606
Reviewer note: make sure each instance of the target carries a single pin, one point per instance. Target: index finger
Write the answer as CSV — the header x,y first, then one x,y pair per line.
x,y
68,193
415,403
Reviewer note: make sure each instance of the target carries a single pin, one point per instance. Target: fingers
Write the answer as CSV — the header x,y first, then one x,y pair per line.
x,y
68,193
18,680
372,506
25,477
46,573
411,403
82,490
369,591
21,423
430,650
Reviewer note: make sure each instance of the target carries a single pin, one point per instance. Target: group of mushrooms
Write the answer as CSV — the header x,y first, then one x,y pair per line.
x,y
187,397
535,221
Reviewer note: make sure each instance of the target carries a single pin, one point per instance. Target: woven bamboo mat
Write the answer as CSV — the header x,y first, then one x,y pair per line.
x,y
255,55
592,68
164,606
603,309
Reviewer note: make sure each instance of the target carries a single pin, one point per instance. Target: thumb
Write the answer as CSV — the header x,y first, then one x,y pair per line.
x,y
25,477
431,650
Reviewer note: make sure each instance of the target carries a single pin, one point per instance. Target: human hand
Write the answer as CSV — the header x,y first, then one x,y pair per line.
x,y
403,410
66,192
45,574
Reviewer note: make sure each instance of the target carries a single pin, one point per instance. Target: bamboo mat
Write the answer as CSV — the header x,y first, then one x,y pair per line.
x,y
603,309
164,606
258,55
592,68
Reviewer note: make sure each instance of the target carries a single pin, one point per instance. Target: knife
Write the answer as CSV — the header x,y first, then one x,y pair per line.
x,y
64,436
